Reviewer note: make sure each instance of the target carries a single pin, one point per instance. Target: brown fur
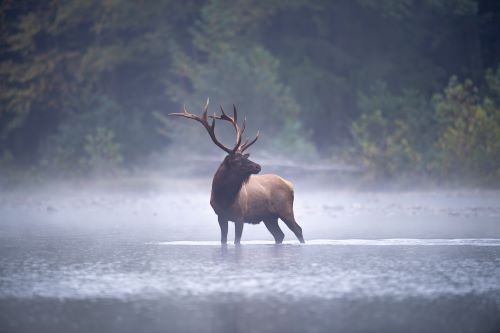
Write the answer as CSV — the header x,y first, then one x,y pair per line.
x,y
243,197
239,195
260,197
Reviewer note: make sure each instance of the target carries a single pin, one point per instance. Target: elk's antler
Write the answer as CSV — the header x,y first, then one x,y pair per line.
x,y
239,131
211,127
248,144
204,121
234,121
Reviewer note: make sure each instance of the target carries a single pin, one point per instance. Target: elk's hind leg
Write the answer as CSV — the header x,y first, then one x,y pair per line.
x,y
274,229
293,225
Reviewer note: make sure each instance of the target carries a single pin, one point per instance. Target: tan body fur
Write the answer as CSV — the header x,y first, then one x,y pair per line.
x,y
261,197
252,199
238,193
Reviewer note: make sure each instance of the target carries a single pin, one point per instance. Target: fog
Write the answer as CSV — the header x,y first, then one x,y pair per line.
x,y
144,254
179,209
385,116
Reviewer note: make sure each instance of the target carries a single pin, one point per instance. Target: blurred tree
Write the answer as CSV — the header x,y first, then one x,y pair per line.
x,y
334,50
59,55
469,135
325,72
393,132
227,63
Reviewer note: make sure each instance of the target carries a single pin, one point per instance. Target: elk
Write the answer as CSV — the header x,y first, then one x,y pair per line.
x,y
238,193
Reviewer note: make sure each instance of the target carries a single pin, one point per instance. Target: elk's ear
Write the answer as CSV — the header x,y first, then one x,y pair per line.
x,y
246,155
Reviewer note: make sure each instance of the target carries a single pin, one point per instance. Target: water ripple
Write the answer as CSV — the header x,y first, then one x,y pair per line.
x,y
367,242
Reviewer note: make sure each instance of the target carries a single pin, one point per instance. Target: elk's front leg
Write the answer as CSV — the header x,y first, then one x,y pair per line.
x,y
223,230
238,230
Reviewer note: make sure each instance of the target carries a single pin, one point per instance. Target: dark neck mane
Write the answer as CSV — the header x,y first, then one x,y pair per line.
x,y
226,185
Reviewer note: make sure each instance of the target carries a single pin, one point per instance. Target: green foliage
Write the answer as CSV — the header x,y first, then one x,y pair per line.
x,y
88,83
235,69
57,55
469,133
459,138
87,142
385,146
102,152
393,132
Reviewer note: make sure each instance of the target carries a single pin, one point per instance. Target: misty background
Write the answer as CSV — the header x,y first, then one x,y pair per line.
x,y
395,90
385,114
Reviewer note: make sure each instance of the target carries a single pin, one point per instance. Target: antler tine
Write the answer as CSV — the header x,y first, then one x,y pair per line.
x,y
224,115
186,114
239,131
204,121
248,144
211,132
211,127
205,111
244,125
246,141
234,121
239,135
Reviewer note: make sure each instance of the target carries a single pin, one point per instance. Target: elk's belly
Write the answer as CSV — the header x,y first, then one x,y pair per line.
x,y
257,212
253,213
255,204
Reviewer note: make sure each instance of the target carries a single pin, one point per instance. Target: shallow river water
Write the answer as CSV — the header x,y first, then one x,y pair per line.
x,y
111,261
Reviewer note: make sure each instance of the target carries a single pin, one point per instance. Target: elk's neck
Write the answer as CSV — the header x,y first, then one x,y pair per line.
x,y
226,186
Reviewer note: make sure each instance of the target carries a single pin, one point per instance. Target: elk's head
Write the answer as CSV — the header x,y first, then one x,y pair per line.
x,y
236,161
239,164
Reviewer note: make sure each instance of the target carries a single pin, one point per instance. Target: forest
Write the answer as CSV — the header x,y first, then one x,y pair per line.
x,y
402,89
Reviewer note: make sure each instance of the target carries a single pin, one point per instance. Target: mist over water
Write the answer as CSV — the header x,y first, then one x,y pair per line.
x,y
107,254
385,115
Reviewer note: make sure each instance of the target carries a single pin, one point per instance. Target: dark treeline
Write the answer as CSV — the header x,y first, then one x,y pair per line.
x,y
400,87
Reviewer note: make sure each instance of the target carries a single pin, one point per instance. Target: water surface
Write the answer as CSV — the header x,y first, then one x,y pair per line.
x,y
119,262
